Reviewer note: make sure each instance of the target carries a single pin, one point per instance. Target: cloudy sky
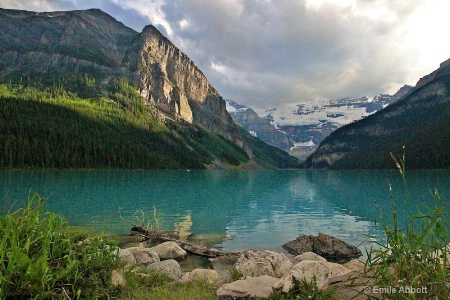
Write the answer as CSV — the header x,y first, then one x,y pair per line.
x,y
265,53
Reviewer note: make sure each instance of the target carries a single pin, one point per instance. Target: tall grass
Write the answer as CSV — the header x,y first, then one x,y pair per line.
x,y
41,257
413,262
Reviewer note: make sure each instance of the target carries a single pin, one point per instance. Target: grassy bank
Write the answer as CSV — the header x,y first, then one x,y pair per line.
x,y
42,257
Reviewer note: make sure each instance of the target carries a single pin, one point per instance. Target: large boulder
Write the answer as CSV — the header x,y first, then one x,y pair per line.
x,y
354,286
307,256
355,265
207,275
169,250
256,263
305,270
329,247
169,267
249,288
335,270
127,257
144,256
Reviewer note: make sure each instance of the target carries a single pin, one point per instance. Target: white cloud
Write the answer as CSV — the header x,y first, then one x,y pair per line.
x,y
150,9
183,24
38,5
424,33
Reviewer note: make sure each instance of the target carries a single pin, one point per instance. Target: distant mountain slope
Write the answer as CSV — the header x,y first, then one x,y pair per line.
x,y
257,126
300,129
312,122
420,121
143,97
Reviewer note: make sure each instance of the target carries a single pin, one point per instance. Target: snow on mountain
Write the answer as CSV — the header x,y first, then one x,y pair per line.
x,y
338,112
257,126
230,108
306,125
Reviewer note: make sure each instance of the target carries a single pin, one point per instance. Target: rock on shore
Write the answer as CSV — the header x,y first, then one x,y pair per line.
x,y
329,247
262,270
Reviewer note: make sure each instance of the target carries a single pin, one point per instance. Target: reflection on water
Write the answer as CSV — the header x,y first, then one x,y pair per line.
x,y
253,209
184,227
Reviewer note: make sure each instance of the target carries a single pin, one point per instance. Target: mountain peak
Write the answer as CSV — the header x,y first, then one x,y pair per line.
x,y
403,91
445,63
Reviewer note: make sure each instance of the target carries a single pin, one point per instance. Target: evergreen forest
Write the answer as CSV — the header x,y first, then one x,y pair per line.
x,y
75,122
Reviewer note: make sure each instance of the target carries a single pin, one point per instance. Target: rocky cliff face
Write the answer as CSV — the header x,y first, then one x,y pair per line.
x,y
419,120
170,80
93,42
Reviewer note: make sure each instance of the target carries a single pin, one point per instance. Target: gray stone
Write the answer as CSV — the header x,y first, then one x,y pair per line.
x,y
169,267
335,269
169,250
355,265
144,256
207,275
249,288
256,263
305,270
307,256
352,286
126,256
330,248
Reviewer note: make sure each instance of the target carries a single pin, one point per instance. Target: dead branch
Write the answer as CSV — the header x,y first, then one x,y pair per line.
x,y
145,232
199,250
189,247
148,234
156,220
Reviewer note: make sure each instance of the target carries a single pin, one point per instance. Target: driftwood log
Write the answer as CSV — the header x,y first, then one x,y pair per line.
x,y
198,250
148,234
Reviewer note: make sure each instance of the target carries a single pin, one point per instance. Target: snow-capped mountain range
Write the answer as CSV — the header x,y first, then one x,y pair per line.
x,y
300,128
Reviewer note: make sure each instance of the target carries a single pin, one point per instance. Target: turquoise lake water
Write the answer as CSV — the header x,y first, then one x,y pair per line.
x,y
250,209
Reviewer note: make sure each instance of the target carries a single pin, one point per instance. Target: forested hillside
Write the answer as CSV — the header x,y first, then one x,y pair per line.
x,y
100,125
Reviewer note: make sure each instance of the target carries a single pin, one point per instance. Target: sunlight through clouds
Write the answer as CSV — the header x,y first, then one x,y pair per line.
x,y
425,34
151,9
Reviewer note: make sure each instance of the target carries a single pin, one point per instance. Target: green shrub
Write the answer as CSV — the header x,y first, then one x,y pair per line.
x,y
41,257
